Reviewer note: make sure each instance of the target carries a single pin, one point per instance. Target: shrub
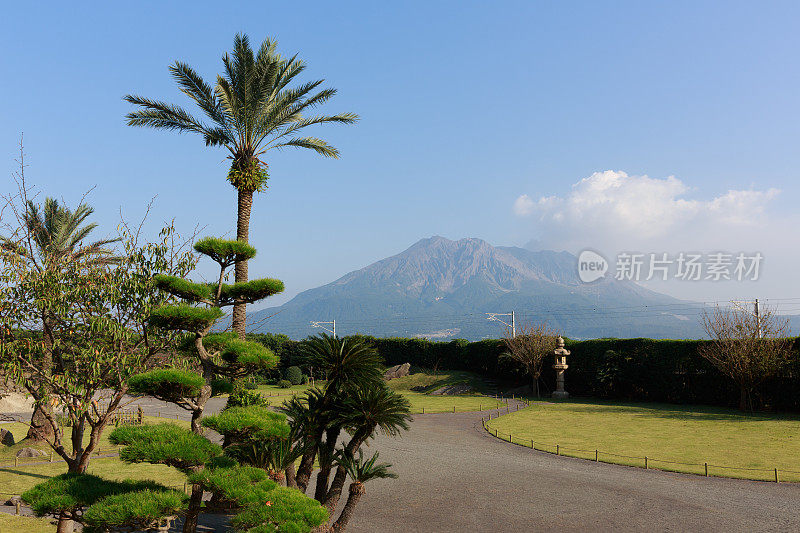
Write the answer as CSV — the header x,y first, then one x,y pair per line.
x,y
284,384
294,375
249,385
246,398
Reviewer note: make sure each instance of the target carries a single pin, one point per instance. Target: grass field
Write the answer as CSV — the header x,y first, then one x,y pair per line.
x,y
417,387
24,524
750,446
16,480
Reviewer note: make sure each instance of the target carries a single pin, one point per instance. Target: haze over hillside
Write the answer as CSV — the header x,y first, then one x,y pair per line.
x,y
439,288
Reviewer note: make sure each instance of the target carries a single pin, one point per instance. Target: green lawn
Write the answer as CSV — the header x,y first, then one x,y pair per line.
x,y
666,434
24,524
425,381
16,480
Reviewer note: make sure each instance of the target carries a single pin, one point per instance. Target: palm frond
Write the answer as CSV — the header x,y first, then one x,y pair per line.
x,y
318,145
155,114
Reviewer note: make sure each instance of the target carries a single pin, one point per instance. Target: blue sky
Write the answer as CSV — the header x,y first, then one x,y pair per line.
x,y
465,106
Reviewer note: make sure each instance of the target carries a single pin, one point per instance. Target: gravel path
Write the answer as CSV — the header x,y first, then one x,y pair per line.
x,y
455,477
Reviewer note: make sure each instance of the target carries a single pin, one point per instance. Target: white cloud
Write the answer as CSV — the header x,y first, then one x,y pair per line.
x,y
636,208
614,212
523,205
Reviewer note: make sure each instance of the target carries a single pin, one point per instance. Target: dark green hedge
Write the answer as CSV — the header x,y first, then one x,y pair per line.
x,y
624,369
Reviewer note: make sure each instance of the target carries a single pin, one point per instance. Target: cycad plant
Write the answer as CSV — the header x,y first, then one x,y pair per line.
x,y
355,404
256,105
360,472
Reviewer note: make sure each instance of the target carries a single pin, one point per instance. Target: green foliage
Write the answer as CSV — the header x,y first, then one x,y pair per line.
x,y
250,291
249,385
71,492
164,444
133,510
253,108
294,375
184,317
183,288
245,398
249,353
225,252
281,509
168,384
348,363
284,384
238,423
234,482
222,386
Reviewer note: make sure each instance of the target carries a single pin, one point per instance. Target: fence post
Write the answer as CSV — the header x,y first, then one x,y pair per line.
x,y
480,407
706,464
533,445
51,456
16,459
595,456
423,409
16,507
454,408
776,475
510,439
495,432
558,450
645,462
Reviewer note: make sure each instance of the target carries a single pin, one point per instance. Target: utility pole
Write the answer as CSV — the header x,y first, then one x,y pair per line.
x,y
513,325
323,326
756,313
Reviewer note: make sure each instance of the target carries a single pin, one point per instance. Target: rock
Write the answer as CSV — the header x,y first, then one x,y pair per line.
x,y
6,438
397,371
452,390
30,452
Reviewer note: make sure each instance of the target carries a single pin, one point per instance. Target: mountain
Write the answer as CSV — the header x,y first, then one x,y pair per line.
x,y
442,289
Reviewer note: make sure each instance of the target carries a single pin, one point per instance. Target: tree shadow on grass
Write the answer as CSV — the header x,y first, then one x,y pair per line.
x,y
23,473
671,412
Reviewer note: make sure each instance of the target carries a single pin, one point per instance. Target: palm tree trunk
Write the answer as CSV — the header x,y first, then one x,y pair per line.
x,y
245,205
291,476
356,490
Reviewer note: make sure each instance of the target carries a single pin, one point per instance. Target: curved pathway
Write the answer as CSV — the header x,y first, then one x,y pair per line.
x,y
455,477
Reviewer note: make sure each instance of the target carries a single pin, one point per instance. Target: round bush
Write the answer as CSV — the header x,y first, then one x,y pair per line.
x,y
284,384
294,374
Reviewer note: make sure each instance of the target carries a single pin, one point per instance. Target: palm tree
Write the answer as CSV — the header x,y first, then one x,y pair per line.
x,y
348,364
360,472
251,110
54,240
368,410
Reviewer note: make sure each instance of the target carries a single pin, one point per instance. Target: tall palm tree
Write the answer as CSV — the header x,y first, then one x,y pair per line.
x,y
360,472
54,239
250,110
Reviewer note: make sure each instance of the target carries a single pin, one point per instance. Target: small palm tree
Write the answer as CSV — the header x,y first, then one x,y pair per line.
x,y
251,110
54,240
366,411
348,363
360,471
57,236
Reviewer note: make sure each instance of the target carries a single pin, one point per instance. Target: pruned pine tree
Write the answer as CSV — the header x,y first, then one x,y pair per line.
x,y
256,106
220,357
103,505
212,362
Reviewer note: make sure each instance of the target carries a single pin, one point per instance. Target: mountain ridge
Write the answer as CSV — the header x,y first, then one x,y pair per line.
x,y
439,285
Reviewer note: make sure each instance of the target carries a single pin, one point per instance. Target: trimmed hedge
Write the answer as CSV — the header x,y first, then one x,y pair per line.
x,y
649,370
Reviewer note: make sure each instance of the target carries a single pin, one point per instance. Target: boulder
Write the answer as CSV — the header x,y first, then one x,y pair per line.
x,y
30,452
397,371
6,438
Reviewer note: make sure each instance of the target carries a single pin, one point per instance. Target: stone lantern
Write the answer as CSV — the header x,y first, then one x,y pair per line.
x,y
560,366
